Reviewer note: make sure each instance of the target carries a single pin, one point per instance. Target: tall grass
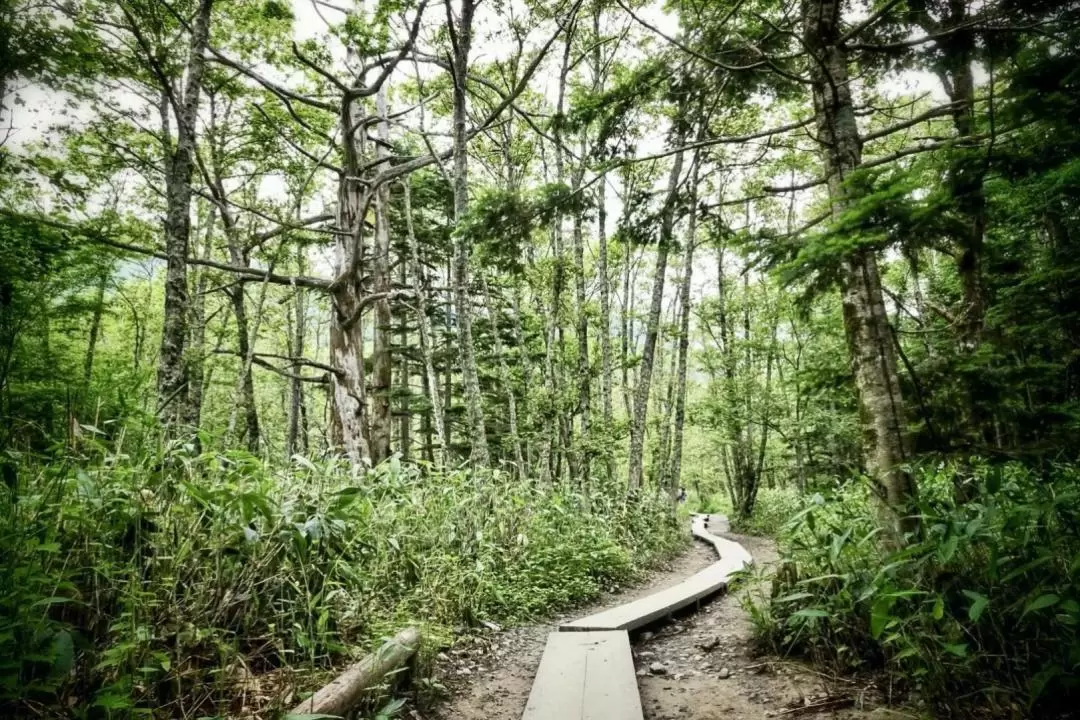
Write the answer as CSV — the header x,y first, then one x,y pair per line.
x,y
172,583
979,613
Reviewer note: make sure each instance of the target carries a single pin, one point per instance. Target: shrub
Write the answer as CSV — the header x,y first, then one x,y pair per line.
x,y
166,579
984,604
772,510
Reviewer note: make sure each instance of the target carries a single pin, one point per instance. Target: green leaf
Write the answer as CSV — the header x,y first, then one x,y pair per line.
x,y
978,605
957,649
63,652
880,616
810,613
1043,601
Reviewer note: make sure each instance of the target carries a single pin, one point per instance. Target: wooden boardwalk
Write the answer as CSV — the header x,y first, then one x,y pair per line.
x,y
587,675
587,670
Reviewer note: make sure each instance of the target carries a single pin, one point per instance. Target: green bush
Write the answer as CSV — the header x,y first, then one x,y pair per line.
x,y
162,581
984,605
772,511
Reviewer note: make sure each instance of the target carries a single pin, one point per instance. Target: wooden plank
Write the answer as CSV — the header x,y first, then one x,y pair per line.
x,y
585,676
728,550
645,610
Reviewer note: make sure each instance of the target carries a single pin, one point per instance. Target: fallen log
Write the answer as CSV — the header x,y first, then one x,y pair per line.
x,y
345,691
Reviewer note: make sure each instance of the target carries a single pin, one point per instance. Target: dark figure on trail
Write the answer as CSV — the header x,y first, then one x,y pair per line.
x,y
682,495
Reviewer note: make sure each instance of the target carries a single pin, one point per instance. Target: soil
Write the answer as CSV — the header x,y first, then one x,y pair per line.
x,y
701,665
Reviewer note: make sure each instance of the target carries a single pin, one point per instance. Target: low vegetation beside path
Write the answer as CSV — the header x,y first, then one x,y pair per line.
x,y
978,613
168,582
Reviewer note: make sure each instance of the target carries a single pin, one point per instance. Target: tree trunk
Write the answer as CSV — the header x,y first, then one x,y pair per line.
x,y
293,440
431,377
602,257
957,48
505,381
461,37
641,392
626,319
198,375
382,367
872,353
95,327
348,426
684,332
172,376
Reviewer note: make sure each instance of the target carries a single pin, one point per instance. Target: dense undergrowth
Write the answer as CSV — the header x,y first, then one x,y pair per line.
x,y
978,614
174,583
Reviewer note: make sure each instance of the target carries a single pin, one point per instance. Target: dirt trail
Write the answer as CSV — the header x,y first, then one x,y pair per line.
x,y
699,666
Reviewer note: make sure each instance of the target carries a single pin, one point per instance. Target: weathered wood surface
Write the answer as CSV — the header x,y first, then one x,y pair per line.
x,y
645,610
728,550
648,609
585,676
588,674
342,695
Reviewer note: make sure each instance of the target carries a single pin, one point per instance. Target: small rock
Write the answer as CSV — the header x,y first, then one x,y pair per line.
x,y
464,671
677,676
647,636
658,669
724,673
642,673
493,627
645,654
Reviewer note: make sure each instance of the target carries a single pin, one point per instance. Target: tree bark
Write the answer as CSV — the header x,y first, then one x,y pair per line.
x,y
461,39
95,327
349,424
344,693
684,332
641,391
172,379
873,356
505,381
382,367
602,253
296,438
431,377
198,375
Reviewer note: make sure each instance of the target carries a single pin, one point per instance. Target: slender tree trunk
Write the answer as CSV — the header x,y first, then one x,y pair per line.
x,y
405,420
172,371
382,366
641,392
95,327
505,381
957,48
431,377
238,255
293,442
602,258
872,352
583,375
198,374
461,38
626,322
684,331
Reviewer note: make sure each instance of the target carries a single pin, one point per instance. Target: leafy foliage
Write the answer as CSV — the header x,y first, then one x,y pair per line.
x,y
130,577
987,599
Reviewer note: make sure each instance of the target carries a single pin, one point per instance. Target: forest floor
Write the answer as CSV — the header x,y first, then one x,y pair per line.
x,y
701,665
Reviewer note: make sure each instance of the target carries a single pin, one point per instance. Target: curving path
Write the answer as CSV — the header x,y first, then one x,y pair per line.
x,y
587,670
